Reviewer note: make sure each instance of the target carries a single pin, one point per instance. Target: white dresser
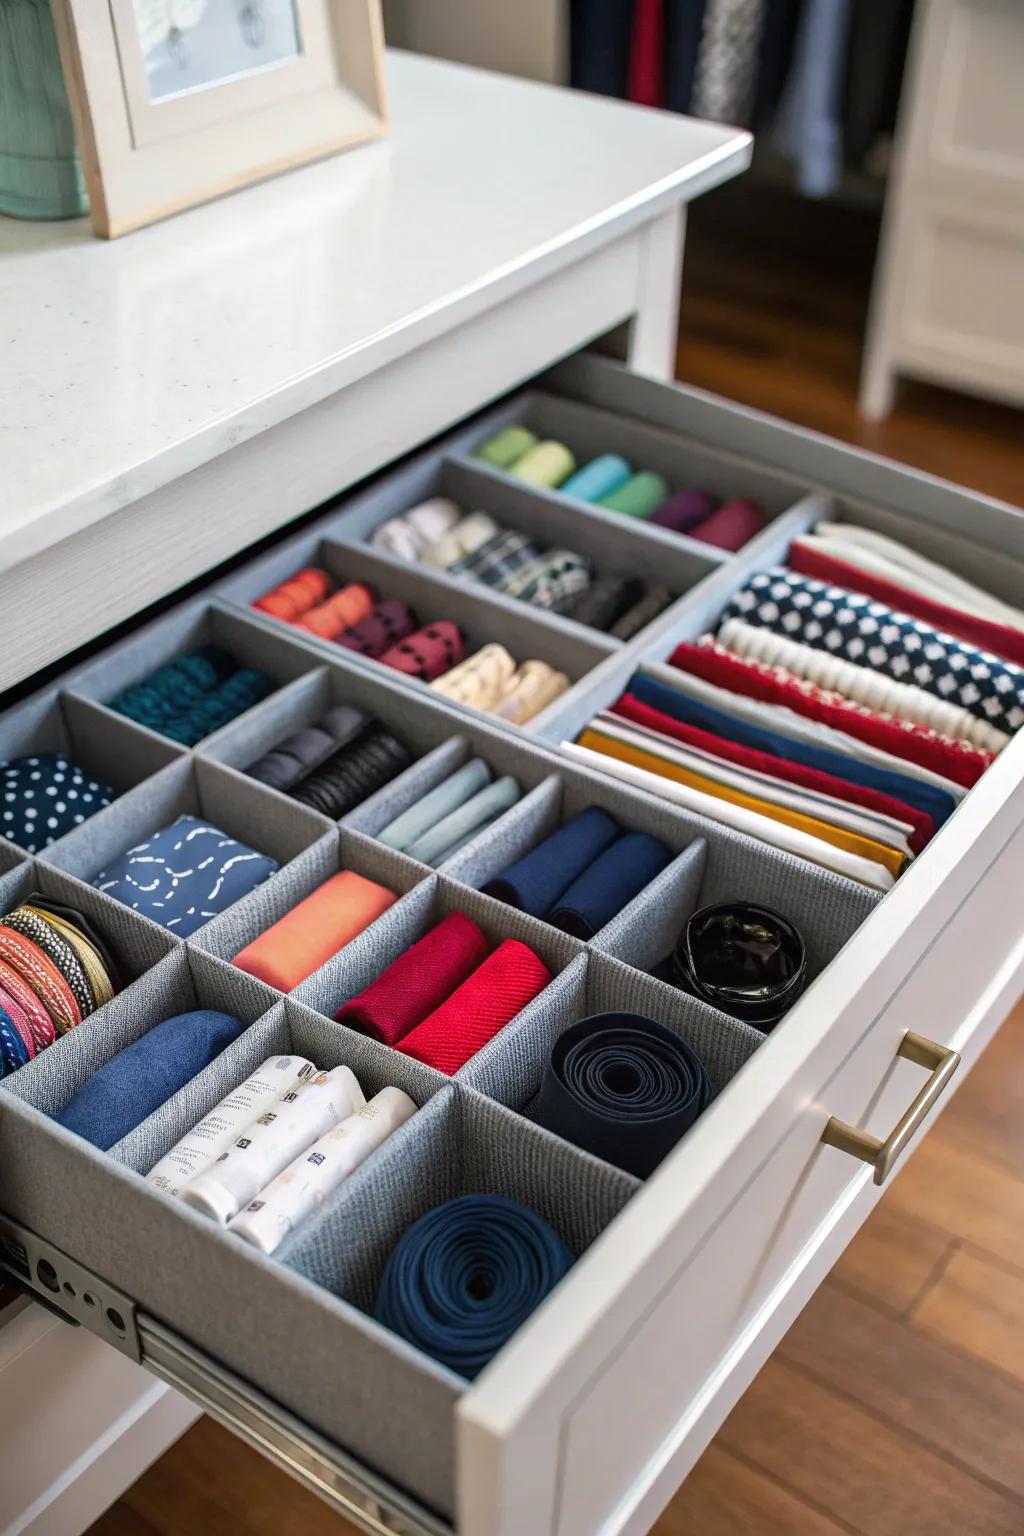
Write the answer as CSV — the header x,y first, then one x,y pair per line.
x,y
176,397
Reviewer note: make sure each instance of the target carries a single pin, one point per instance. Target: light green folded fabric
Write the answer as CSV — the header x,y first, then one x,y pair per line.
x,y
435,846
435,806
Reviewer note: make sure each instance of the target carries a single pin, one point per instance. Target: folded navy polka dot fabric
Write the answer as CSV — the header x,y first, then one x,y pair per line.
x,y
44,797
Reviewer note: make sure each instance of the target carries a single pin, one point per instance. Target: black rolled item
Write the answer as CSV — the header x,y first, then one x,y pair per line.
x,y
623,1087
743,959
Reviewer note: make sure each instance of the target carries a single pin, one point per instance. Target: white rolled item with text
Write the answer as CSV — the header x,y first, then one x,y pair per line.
x,y
315,1173
205,1142
284,1129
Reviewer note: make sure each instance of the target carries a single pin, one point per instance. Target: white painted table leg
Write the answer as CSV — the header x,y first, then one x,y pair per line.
x,y
654,333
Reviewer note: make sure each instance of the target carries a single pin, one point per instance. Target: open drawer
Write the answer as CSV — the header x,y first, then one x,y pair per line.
x,y
593,1413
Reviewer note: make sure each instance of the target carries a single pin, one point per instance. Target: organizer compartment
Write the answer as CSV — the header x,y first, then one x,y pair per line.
x,y
104,745
459,1144
510,1067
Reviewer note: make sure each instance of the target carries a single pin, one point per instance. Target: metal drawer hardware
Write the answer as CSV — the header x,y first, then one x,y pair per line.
x,y
68,1289
79,1297
942,1063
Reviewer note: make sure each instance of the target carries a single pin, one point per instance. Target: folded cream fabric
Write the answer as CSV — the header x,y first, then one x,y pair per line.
x,y
887,557
480,680
777,834
883,829
530,690
466,536
786,722
884,695
407,536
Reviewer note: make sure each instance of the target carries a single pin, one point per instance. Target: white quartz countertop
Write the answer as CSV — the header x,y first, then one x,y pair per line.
x,y
124,364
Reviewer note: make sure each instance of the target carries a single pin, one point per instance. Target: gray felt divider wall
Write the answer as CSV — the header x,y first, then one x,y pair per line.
x,y
297,1325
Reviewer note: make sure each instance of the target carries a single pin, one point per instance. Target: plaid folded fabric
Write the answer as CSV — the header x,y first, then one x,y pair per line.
x,y
551,582
498,559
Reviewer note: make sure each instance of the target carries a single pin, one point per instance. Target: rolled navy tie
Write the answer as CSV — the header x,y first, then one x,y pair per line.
x,y
610,883
465,1276
535,882
622,1087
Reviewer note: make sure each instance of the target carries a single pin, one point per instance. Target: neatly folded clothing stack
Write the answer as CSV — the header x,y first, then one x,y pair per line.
x,y
268,1153
841,715
583,875
55,970
442,1000
560,580
451,814
45,796
609,481
185,874
193,695
334,764
300,942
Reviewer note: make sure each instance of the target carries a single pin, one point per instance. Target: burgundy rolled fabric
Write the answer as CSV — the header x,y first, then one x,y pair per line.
x,y
684,511
389,622
429,653
732,525
419,981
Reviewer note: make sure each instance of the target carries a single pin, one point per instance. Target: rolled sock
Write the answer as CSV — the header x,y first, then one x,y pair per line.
x,y
641,496
653,602
684,510
533,688
390,622
430,519
600,477
610,883
471,817
339,612
345,723
353,773
296,756
307,936
481,679
506,447
142,1077
293,597
536,882
546,464
397,538
732,525
472,531
605,600
418,981
434,806
429,653
485,1002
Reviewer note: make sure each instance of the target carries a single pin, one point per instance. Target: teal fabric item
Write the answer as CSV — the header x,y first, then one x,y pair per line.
x,y
439,843
40,172
193,696
436,805
599,478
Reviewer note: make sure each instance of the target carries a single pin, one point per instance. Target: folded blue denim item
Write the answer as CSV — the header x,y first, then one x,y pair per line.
x,y
608,884
938,804
536,881
185,874
134,1083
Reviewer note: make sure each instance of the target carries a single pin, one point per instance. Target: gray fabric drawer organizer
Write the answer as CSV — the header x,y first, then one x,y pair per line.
x,y
296,1327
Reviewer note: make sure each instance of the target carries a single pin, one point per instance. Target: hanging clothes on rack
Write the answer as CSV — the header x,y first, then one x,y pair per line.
x,y
645,79
726,75
809,126
684,21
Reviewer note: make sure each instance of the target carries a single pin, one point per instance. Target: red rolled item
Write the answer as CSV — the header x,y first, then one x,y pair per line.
x,y
419,981
731,526
496,991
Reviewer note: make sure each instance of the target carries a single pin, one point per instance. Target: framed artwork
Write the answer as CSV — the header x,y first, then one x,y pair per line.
x,y
178,101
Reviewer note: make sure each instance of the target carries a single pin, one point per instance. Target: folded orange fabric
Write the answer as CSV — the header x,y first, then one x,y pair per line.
x,y
339,612
301,941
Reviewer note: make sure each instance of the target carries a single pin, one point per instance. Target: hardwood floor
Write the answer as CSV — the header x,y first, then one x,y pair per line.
x,y
895,1404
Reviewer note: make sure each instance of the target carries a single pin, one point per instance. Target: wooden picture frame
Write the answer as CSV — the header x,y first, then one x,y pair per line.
x,y
154,141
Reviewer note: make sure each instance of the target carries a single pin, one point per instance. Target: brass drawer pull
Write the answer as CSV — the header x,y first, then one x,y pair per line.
x,y
942,1063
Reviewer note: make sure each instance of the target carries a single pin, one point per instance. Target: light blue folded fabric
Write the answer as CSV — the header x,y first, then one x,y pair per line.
x,y
435,806
434,846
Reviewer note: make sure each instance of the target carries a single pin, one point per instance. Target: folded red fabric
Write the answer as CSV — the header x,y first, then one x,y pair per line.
x,y
494,994
418,981
634,709
1001,639
955,760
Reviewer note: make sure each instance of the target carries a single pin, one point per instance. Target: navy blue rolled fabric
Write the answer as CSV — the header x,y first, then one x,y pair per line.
x,y
609,884
623,1087
466,1275
13,1050
536,881
135,1082
936,802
